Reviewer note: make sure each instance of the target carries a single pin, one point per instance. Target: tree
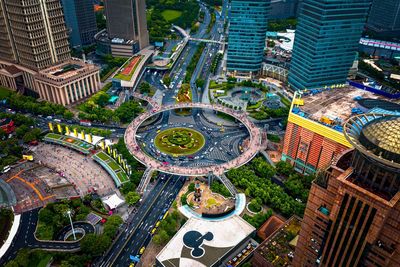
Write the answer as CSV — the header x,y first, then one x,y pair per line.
x,y
128,110
200,83
3,134
22,258
68,115
46,216
167,80
12,263
90,245
144,88
132,198
21,131
284,168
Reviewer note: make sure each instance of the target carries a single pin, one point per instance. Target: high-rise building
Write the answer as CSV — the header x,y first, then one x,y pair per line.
x,y
353,211
247,31
282,9
126,19
81,21
384,18
33,33
327,38
314,133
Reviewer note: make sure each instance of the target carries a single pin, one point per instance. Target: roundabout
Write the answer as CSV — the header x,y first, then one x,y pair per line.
x,y
179,141
144,146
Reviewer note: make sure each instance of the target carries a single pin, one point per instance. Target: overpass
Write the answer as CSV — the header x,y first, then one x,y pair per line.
x,y
187,37
136,151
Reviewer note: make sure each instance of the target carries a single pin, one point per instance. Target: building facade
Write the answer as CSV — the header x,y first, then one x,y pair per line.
x,y
247,30
33,33
283,9
126,20
353,210
327,37
81,21
384,18
68,82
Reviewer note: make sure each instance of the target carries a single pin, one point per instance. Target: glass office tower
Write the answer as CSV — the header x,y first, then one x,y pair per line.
x,y
326,41
81,21
384,18
247,31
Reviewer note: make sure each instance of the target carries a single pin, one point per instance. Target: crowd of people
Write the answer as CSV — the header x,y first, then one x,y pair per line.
x,y
80,170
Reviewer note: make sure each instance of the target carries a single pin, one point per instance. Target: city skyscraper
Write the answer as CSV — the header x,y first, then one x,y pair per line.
x,y
126,19
81,21
327,39
246,39
352,214
33,33
384,18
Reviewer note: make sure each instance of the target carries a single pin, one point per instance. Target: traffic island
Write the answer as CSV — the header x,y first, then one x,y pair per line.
x,y
179,141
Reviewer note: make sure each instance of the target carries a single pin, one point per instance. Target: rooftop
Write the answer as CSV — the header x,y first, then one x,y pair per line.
x,y
278,249
215,238
376,135
332,107
66,71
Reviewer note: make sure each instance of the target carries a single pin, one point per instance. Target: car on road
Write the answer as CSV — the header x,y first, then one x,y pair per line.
x,y
141,251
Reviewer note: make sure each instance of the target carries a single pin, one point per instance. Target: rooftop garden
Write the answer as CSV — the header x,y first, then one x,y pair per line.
x,y
68,141
279,249
129,68
112,167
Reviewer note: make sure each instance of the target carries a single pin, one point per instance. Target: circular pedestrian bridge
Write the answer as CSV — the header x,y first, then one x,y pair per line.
x,y
218,169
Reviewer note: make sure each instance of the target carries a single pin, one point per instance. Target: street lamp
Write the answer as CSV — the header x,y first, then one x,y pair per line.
x,y
72,226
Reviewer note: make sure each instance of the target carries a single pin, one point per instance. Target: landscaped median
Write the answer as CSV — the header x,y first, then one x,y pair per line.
x,y
68,141
129,68
112,167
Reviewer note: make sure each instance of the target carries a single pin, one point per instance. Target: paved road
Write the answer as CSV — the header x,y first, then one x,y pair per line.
x,y
87,227
136,233
25,238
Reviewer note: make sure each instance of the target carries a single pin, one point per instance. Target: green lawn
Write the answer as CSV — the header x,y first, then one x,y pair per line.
x,y
179,141
103,156
113,165
4,92
54,136
122,177
171,15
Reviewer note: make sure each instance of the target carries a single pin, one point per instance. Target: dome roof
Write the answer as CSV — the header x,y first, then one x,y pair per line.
x,y
376,135
384,133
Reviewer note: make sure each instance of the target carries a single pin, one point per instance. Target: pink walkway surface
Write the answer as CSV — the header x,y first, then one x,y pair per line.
x,y
249,153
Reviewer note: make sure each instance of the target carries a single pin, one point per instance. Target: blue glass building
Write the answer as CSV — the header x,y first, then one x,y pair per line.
x,y
81,21
246,39
327,38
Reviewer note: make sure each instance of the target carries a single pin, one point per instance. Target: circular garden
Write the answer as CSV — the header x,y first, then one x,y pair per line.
x,y
179,141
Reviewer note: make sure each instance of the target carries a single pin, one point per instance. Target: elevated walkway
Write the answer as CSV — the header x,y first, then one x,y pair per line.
x,y
144,182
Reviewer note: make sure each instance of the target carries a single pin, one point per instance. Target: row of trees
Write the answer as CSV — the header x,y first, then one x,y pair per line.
x,y
125,113
193,63
265,113
168,227
29,104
